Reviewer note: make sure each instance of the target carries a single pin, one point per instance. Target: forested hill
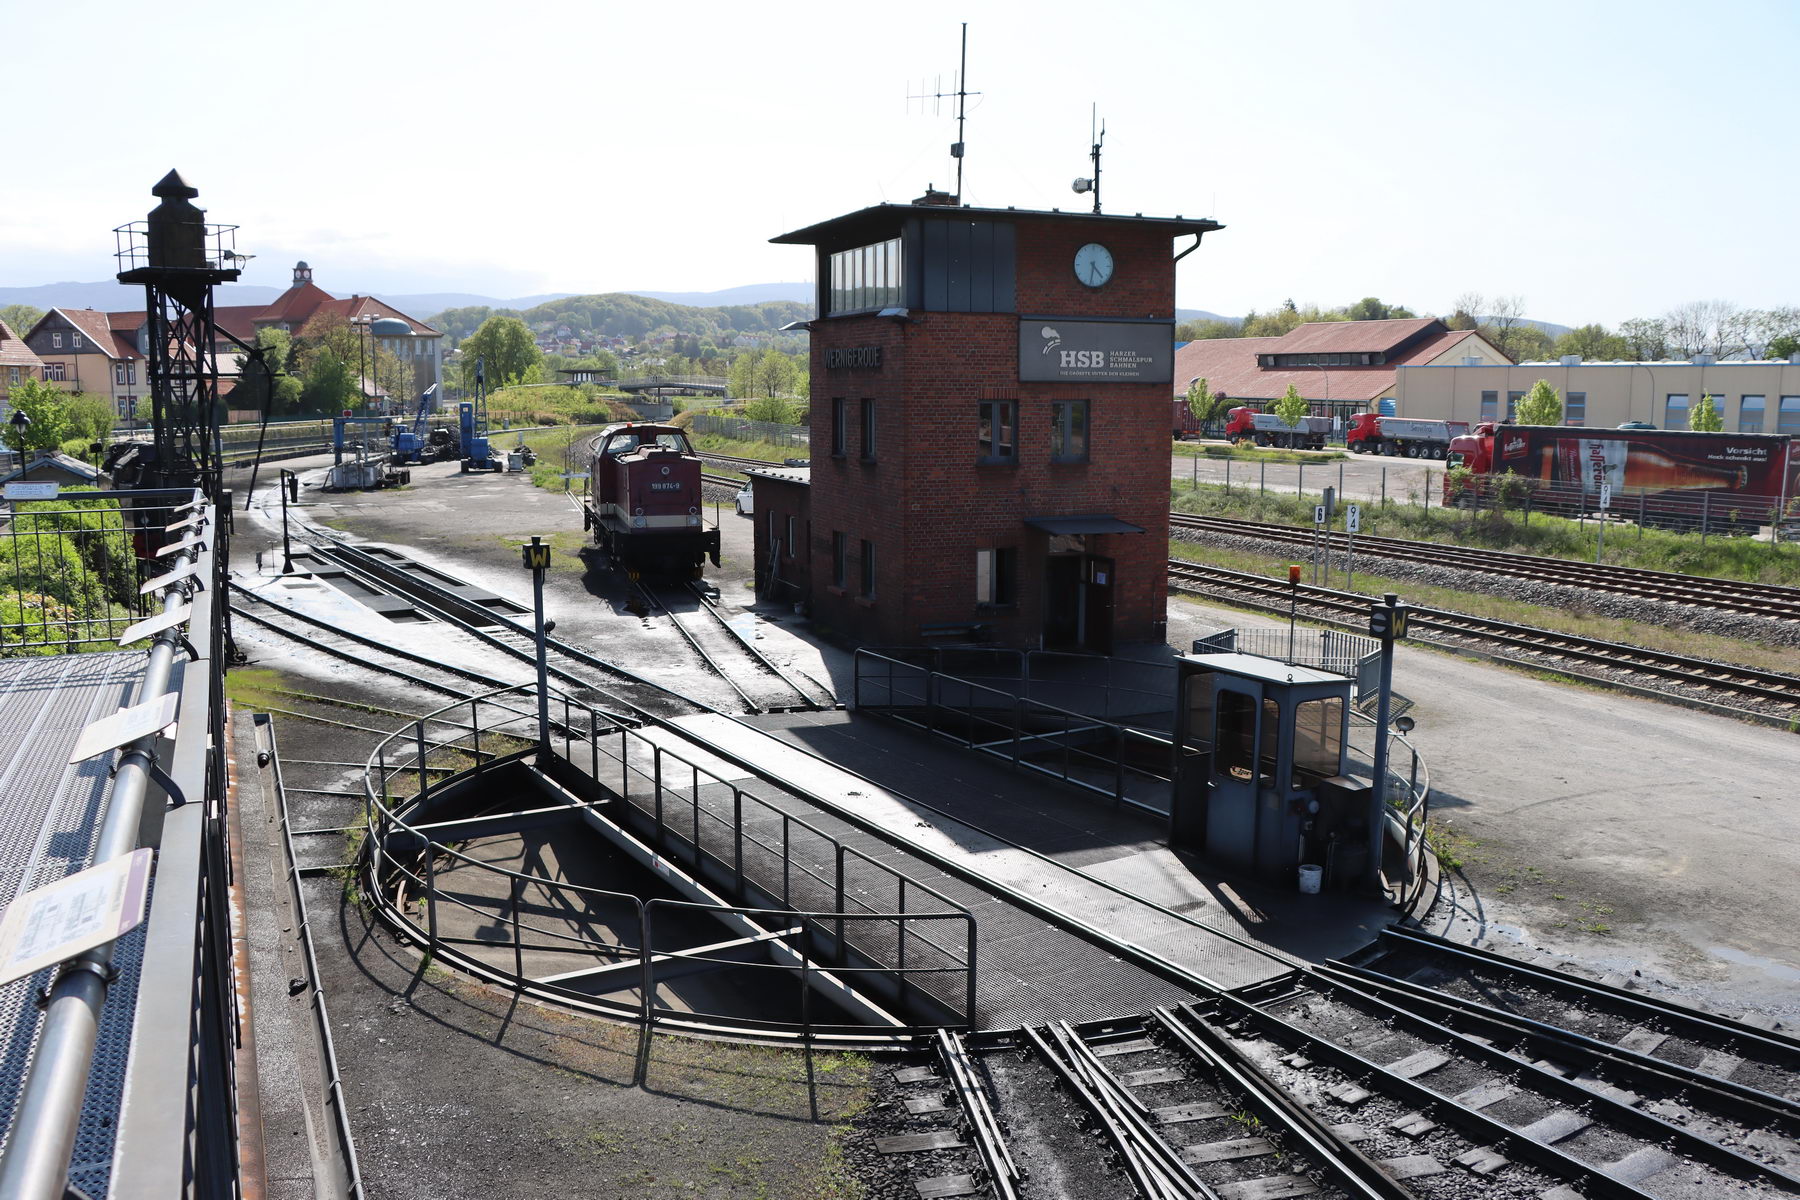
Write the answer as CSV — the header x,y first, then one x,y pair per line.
x,y
620,314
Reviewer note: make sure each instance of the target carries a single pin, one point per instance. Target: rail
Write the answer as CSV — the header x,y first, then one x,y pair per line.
x,y
1127,765
343,1141
869,926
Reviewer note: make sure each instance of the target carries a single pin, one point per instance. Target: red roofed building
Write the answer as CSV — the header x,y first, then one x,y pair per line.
x,y
1343,367
17,361
94,352
305,300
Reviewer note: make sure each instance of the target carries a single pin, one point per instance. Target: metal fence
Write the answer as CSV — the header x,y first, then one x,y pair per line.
x,y
798,436
1128,765
70,571
825,911
1349,654
1707,513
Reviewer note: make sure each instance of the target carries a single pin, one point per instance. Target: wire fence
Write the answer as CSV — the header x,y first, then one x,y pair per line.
x,y
797,436
71,573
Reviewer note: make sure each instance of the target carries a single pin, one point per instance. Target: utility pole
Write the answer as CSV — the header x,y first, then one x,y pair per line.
x,y
537,561
1387,621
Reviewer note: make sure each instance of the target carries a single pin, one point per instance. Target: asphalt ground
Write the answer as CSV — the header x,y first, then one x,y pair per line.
x,y
1359,477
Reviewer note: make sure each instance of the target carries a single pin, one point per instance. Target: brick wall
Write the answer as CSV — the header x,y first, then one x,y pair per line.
x,y
925,502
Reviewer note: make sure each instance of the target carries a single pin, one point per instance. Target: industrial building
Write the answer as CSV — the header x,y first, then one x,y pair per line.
x,y
989,426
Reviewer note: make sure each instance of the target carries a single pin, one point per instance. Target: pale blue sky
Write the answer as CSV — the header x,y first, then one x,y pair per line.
x,y
1603,160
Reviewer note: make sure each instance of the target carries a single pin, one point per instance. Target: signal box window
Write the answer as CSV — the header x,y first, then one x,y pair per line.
x,y
868,431
1490,406
840,551
994,574
1750,414
1675,411
1069,431
1575,409
997,432
837,427
868,568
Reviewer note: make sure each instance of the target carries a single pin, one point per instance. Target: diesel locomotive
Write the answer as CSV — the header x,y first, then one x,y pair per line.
x,y
643,501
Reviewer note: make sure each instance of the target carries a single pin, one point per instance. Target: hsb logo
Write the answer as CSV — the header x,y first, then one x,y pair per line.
x,y
1083,358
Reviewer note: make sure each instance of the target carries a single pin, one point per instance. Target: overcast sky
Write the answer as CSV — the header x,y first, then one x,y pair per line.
x,y
1604,160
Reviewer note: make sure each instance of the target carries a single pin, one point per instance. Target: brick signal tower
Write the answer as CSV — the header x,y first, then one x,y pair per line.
x,y
990,418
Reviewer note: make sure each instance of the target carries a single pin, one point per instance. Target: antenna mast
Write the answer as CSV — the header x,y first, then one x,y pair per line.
x,y
1099,138
962,94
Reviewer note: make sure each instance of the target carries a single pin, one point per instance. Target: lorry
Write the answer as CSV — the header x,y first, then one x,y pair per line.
x,y
1674,478
1267,429
1409,437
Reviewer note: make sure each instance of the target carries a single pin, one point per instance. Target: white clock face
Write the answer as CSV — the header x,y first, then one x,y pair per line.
x,y
1093,264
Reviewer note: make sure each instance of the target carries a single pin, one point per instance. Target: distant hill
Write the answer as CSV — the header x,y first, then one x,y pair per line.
x,y
751,293
1200,314
630,315
108,296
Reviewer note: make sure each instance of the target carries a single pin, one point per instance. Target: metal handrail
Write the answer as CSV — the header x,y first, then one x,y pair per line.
x,y
384,819
48,1110
1414,814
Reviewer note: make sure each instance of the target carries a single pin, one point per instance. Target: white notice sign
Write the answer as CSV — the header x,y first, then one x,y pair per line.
x,y
126,726
1353,519
84,910
31,491
1605,496
1318,514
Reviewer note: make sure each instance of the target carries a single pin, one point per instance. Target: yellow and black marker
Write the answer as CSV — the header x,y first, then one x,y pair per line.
x,y
536,554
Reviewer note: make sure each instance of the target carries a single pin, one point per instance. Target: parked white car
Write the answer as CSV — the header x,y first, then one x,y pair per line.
x,y
746,498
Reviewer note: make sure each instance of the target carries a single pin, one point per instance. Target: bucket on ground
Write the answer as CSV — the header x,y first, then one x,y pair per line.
x,y
1310,878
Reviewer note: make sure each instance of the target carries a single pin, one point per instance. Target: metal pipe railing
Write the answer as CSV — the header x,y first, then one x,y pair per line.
x,y
36,1163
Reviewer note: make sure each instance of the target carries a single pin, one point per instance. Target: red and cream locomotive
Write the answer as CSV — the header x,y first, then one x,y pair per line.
x,y
644,503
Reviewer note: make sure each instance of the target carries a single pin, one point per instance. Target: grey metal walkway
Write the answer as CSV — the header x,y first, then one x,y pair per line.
x,y
49,823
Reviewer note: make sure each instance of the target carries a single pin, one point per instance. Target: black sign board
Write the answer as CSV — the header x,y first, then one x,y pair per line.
x,y
1052,350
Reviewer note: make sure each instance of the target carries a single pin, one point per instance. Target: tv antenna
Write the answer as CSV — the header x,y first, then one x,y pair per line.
x,y
961,93
1097,131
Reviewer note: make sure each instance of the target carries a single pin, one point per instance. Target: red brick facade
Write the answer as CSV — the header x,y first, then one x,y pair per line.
x,y
926,505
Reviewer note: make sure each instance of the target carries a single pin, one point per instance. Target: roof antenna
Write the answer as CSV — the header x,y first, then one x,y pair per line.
x,y
1093,185
962,94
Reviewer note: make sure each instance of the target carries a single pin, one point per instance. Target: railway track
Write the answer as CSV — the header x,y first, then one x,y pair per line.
x,y
1771,691
724,649
1727,595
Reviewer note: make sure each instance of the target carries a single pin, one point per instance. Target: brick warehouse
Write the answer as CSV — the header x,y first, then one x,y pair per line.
x,y
989,428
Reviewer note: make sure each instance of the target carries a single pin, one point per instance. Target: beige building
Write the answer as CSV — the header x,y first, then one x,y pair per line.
x,y
1752,397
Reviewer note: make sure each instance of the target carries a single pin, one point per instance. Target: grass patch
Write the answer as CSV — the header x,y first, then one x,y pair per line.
x,y
551,404
1250,453
774,452
1513,532
1573,619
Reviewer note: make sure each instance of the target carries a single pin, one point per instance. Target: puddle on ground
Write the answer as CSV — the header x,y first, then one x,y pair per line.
x,y
1766,965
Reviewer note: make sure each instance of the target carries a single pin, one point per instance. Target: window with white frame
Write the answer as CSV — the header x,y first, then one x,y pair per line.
x,y
56,341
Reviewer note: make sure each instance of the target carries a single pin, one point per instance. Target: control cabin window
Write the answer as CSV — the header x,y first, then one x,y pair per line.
x,y
866,277
1750,414
868,430
1318,740
997,432
840,553
995,571
1490,406
868,568
837,426
1575,409
1675,411
1235,742
1068,431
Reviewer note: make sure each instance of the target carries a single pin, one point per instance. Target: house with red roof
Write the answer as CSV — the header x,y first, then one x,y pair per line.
x,y
101,354
17,362
421,347
1341,367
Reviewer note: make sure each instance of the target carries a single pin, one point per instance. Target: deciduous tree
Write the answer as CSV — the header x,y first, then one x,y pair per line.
x,y
1646,339
47,409
21,317
1592,342
1542,405
1199,399
507,348
1706,417
1291,407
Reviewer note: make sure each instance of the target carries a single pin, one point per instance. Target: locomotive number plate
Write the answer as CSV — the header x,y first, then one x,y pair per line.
x,y
665,487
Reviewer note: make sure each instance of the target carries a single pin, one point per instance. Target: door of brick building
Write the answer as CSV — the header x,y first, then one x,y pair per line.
x,y
1078,603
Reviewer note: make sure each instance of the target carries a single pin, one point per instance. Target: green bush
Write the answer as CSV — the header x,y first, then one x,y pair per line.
x,y
58,567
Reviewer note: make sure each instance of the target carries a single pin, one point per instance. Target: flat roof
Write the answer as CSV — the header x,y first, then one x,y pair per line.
x,y
783,474
887,217
1269,670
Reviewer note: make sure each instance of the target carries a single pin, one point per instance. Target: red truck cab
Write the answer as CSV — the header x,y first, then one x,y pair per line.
x,y
1363,428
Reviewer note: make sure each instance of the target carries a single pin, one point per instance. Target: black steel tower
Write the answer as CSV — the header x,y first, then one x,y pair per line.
x,y
178,257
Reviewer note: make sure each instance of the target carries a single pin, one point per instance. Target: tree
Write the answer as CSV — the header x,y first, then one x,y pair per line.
x,y
330,385
1706,417
1291,407
1201,331
1784,345
1199,399
1542,405
1592,342
506,347
1369,308
1716,327
47,408
21,317
1646,340
90,418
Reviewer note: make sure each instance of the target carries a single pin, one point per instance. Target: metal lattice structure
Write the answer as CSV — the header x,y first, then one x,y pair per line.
x,y
178,258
